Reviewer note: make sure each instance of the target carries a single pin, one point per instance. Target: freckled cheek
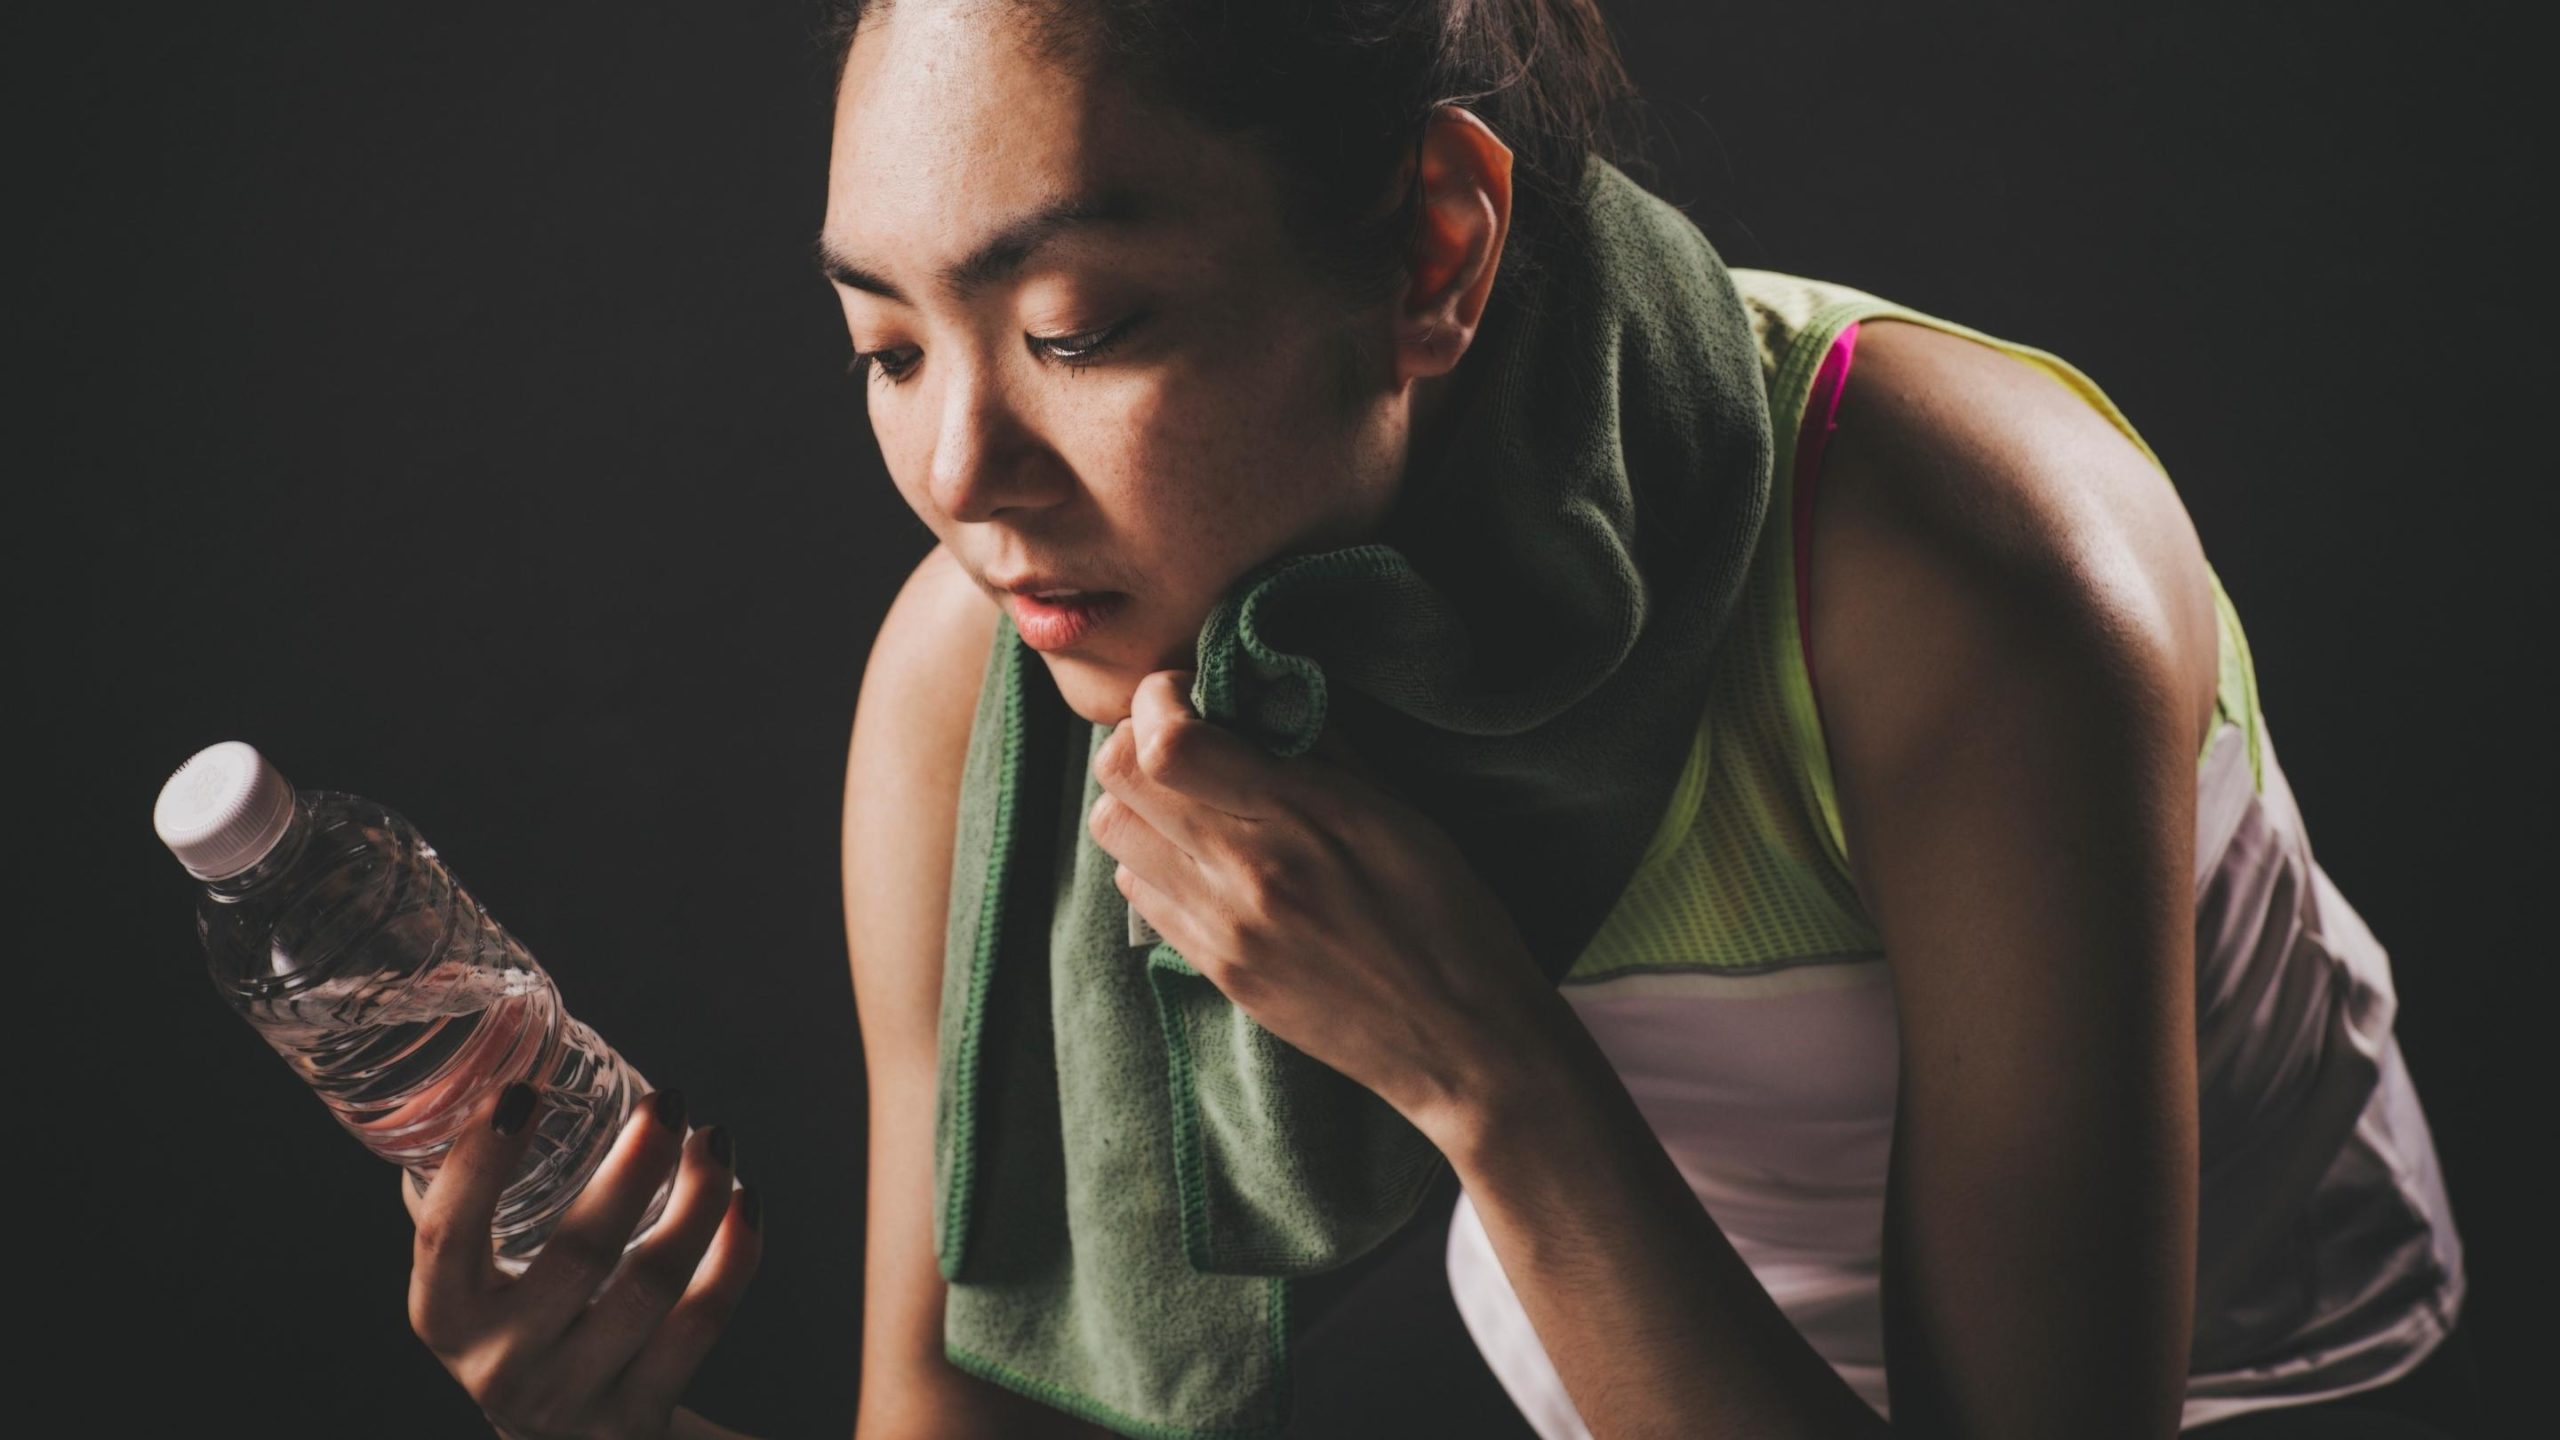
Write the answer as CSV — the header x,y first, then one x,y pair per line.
x,y
1198,484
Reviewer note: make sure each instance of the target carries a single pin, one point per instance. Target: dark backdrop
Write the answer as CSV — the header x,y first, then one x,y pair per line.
x,y
443,401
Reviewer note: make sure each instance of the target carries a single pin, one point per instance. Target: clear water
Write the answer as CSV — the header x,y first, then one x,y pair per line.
x,y
404,1005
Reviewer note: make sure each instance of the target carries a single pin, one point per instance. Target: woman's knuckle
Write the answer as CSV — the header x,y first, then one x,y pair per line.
x,y
1225,930
1239,980
1354,829
646,1293
1256,875
1275,881
435,1234
1112,762
495,1386
427,1321
1167,753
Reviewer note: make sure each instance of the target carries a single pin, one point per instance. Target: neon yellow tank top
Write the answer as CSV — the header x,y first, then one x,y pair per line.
x,y
1749,869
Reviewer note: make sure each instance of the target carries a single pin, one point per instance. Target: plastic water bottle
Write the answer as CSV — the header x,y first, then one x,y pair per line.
x,y
331,926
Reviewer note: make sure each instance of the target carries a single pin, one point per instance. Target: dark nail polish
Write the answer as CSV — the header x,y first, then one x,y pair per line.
x,y
668,1105
513,1106
751,1207
718,1143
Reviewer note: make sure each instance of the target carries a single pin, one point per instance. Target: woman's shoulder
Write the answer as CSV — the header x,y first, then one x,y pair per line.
x,y
1979,527
902,773
920,682
920,686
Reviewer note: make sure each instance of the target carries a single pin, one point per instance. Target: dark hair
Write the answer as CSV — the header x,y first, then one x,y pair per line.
x,y
1338,92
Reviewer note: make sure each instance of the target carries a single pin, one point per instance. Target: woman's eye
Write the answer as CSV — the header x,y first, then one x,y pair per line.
x,y
1084,348
1074,351
869,363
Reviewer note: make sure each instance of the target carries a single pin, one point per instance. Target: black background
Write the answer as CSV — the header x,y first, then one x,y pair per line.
x,y
443,401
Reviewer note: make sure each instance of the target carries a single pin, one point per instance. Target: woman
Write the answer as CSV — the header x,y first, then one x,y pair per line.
x,y
1132,319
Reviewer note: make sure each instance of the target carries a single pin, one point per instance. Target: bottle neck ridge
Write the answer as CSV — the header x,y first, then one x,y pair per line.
x,y
280,857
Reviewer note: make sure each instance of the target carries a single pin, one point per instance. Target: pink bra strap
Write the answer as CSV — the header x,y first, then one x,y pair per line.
x,y
1821,410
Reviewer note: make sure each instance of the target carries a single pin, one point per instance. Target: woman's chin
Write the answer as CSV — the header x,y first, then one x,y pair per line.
x,y
1102,687
1097,692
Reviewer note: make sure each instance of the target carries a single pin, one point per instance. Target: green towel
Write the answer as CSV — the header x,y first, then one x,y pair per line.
x,y
1127,1169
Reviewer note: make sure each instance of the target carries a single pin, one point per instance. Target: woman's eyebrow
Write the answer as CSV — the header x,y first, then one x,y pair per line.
x,y
1003,251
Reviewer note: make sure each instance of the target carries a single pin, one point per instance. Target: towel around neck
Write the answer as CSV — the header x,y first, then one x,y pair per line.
x,y
1128,1170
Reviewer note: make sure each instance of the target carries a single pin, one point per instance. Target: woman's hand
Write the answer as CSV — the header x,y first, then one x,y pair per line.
x,y
1340,918
542,1360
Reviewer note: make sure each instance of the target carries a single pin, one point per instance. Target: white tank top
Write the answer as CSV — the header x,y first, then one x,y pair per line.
x,y
2325,1251
2327,1259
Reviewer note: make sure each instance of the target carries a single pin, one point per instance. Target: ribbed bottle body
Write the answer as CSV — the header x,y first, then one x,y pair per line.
x,y
404,1004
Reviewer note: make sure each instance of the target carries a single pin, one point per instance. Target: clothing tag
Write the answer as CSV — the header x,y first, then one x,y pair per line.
x,y
1140,932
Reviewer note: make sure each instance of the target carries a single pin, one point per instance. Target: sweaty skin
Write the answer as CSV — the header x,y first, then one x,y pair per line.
x,y
2016,645
1231,407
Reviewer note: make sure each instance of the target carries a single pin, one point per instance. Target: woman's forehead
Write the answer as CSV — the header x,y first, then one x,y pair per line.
x,y
942,88
957,146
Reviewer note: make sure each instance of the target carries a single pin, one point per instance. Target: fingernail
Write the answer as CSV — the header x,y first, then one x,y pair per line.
x,y
513,1106
668,1106
718,1143
751,1207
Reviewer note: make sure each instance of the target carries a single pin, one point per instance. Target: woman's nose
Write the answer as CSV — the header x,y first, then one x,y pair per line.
x,y
986,457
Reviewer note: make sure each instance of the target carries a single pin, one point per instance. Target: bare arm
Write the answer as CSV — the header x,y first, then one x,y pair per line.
x,y
902,783
2015,667
1655,1324
2029,641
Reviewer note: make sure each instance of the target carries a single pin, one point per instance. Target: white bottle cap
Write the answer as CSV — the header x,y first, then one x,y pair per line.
x,y
223,810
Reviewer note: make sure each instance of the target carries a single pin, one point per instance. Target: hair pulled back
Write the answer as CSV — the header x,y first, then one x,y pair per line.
x,y
1338,92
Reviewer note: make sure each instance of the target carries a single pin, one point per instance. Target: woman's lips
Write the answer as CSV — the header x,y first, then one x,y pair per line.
x,y
1057,624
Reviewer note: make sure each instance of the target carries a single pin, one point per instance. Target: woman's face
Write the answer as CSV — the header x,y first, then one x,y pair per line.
x,y
1149,397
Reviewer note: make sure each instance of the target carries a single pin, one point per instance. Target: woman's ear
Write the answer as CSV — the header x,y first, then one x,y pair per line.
x,y
1457,242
